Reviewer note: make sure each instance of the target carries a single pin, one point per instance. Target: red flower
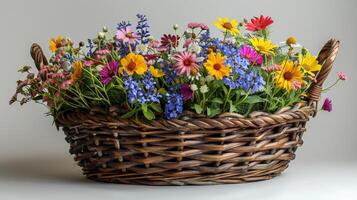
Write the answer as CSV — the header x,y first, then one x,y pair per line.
x,y
258,24
169,40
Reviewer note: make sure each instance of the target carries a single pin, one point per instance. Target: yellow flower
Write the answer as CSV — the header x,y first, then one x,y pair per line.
x,y
133,63
215,66
228,26
263,46
55,43
289,73
309,64
77,71
157,73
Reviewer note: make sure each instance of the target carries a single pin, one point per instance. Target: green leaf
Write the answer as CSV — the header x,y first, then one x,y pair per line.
x,y
232,108
144,107
156,107
217,100
149,114
253,99
129,114
198,109
211,112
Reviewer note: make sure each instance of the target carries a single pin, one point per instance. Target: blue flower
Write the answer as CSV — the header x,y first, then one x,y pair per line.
x,y
143,28
205,43
123,25
141,95
90,47
174,105
241,76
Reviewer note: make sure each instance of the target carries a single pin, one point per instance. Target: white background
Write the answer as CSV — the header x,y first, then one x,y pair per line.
x,y
34,158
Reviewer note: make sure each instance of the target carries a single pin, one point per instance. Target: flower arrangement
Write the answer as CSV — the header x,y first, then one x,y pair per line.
x,y
241,72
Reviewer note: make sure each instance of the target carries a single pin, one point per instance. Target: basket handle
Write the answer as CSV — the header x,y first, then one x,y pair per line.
x,y
326,58
38,56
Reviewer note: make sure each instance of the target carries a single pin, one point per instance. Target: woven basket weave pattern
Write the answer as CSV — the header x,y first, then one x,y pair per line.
x,y
190,150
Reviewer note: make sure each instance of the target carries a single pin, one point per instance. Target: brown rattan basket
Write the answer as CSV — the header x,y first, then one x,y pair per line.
x,y
190,150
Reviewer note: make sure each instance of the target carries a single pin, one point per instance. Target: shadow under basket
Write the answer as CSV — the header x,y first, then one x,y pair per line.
x,y
191,150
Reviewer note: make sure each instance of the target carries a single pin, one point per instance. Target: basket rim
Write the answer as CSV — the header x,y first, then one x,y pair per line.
x,y
189,121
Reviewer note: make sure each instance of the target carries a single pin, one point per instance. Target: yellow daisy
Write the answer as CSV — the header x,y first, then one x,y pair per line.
x,y
309,64
228,26
265,47
215,66
133,63
55,43
157,73
77,71
289,74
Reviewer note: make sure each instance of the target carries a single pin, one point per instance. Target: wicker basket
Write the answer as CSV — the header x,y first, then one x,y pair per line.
x,y
190,150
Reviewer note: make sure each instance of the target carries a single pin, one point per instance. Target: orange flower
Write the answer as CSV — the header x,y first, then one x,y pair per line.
x,y
55,43
77,71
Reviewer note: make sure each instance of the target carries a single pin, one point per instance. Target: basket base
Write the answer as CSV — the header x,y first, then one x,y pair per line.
x,y
234,177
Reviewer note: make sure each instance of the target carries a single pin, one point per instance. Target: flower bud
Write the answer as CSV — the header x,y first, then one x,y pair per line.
x,y
101,35
105,29
175,27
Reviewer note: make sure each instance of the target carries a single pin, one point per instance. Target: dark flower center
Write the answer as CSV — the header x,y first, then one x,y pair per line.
x,y
131,66
288,76
227,25
217,66
187,62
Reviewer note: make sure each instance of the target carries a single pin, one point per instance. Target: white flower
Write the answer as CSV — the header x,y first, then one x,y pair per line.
x,y
197,76
194,47
193,87
209,78
141,48
204,89
99,67
283,44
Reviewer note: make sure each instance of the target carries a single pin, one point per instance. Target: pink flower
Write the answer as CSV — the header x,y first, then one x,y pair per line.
x,y
194,25
186,91
126,35
187,43
250,54
296,85
108,72
327,105
186,63
342,76
65,84
88,63
272,68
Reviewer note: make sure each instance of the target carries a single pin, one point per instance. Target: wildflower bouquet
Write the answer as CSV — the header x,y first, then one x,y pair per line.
x,y
227,110
241,72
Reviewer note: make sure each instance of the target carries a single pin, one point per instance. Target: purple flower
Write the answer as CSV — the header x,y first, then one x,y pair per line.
x,y
108,72
327,105
251,55
186,91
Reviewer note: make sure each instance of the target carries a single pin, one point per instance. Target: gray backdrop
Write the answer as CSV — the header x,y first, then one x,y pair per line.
x,y
27,135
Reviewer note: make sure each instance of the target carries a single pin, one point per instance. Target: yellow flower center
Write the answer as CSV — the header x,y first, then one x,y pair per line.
x,y
288,76
227,25
129,35
217,66
131,66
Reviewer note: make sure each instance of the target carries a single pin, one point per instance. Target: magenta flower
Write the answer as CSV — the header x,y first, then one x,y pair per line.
x,y
108,72
186,91
250,54
126,35
186,63
327,105
342,76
